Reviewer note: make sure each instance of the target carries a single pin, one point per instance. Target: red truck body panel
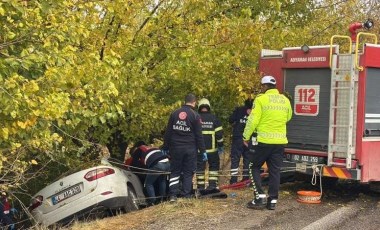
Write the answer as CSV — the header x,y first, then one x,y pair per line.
x,y
366,161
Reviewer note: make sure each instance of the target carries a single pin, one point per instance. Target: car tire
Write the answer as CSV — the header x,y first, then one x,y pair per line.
x,y
132,203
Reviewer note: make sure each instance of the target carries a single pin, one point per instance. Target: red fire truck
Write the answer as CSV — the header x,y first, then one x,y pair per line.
x,y
336,104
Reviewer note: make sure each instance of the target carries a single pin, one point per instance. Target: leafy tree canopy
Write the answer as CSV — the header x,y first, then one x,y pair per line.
x,y
76,73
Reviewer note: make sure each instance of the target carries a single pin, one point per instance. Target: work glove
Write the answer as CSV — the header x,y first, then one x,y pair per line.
x,y
13,211
204,156
220,150
165,152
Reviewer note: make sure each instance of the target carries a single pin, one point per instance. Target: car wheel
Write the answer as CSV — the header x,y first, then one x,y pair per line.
x,y
132,204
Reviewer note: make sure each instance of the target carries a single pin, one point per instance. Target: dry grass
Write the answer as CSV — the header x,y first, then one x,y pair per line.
x,y
190,209
193,210
186,214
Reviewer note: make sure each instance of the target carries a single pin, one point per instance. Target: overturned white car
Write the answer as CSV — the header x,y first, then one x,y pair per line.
x,y
91,191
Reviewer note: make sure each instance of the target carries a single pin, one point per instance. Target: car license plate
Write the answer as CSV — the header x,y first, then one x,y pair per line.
x,y
305,158
66,194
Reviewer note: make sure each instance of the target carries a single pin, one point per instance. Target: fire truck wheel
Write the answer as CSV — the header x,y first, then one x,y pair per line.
x,y
374,186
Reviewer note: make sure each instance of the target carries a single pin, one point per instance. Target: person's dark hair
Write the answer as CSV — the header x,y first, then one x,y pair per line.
x,y
248,103
287,94
190,98
138,144
202,107
270,86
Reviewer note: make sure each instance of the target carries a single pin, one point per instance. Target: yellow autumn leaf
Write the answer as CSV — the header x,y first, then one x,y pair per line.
x,y
5,133
16,145
11,35
13,114
21,124
33,86
31,121
34,162
35,143
36,112
101,99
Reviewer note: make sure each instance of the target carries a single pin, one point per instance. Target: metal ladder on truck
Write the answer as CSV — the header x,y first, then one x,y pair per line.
x,y
343,97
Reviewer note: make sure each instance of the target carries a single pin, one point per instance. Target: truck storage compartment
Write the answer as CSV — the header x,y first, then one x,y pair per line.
x,y
372,99
310,91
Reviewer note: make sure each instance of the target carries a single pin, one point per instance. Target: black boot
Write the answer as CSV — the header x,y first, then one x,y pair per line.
x,y
271,205
256,204
173,199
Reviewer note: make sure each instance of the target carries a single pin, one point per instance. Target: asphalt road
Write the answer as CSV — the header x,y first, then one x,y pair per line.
x,y
345,205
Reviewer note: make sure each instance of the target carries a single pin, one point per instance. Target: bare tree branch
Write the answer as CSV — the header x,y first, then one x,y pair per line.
x,y
146,20
101,54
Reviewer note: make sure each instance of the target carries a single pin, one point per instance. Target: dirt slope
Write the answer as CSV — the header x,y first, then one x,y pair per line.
x,y
229,213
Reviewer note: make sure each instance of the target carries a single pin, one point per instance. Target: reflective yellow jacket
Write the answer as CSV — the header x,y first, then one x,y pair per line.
x,y
269,117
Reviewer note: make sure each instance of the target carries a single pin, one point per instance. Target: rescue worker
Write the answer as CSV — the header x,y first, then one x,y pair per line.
x,y
133,163
6,211
212,131
157,165
269,117
183,139
238,120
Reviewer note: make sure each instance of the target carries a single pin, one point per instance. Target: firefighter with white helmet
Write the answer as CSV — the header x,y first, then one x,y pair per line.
x,y
268,118
212,131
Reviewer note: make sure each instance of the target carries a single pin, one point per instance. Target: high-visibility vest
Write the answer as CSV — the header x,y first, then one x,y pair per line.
x,y
269,117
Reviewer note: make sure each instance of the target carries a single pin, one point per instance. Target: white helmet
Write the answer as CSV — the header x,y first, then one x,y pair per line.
x,y
204,103
268,80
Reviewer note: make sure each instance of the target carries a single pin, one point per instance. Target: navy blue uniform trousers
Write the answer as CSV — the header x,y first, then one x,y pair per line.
x,y
183,164
238,150
273,155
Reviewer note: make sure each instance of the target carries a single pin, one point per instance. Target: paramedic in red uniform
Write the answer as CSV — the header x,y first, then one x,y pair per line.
x,y
269,117
157,167
183,139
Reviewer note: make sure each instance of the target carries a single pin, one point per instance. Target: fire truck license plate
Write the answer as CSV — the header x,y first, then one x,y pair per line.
x,y
304,158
